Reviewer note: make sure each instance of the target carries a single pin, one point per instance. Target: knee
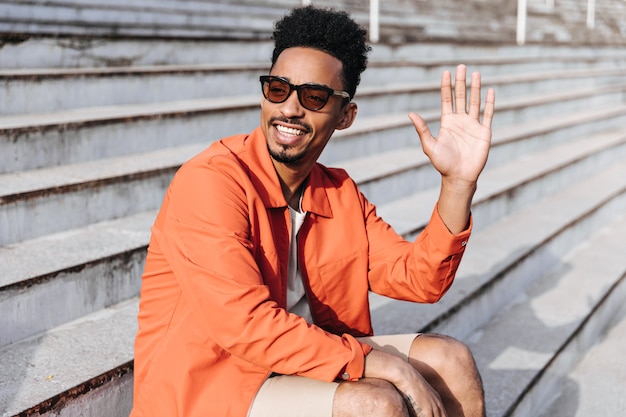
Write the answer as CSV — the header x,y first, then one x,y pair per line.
x,y
457,355
446,353
369,397
385,400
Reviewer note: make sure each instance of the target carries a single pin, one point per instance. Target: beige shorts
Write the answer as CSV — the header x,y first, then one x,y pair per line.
x,y
297,396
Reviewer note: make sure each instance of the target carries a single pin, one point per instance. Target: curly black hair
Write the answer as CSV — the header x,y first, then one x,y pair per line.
x,y
328,30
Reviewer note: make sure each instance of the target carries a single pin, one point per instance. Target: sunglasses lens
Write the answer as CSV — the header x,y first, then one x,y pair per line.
x,y
313,98
276,90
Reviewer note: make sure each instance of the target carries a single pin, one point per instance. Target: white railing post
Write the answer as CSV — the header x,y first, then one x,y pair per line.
x,y
374,21
591,14
521,22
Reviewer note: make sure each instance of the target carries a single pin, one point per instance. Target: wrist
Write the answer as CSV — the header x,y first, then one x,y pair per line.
x,y
383,365
458,186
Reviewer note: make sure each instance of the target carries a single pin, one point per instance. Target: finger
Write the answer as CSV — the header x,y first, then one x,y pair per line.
x,y
426,138
490,103
459,89
474,101
446,93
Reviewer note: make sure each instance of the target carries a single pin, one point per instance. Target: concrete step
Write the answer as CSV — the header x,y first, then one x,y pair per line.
x,y
48,90
84,366
41,90
38,376
61,277
75,136
101,188
24,51
532,345
597,382
91,192
392,175
117,253
504,257
194,19
27,51
39,141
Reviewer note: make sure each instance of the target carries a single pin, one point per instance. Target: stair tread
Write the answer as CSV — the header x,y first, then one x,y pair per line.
x,y
51,254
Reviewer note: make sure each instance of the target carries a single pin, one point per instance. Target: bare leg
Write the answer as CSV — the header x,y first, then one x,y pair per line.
x,y
368,397
449,368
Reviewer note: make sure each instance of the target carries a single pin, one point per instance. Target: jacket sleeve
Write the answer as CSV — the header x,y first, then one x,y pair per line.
x,y
419,271
204,236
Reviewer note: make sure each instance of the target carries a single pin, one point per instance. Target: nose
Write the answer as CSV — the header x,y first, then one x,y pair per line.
x,y
291,108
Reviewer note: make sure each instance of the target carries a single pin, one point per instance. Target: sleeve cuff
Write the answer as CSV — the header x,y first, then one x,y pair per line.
x,y
443,239
353,371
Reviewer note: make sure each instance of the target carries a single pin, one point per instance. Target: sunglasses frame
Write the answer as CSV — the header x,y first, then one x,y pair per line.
x,y
268,78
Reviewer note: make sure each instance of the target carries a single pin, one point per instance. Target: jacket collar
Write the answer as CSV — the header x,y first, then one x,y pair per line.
x,y
265,179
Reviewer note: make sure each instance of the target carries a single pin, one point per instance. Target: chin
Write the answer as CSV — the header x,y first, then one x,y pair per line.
x,y
284,156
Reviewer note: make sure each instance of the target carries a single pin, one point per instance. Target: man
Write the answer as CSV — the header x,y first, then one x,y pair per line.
x,y
254,296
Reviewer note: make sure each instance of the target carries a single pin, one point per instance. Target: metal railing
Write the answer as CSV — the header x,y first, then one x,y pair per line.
x,y
522,11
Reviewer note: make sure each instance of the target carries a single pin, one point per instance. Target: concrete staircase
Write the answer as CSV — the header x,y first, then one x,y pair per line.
x,y
100,104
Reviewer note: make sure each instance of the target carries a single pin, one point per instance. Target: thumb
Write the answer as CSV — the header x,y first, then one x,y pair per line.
x,y
426,138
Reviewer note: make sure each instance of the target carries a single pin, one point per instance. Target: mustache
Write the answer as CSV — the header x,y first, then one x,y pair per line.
x,y
297,122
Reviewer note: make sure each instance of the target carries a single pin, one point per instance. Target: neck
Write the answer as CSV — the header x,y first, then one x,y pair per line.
x,y
291,182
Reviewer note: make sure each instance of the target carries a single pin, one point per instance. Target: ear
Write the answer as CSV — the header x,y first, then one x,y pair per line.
x,y
348,114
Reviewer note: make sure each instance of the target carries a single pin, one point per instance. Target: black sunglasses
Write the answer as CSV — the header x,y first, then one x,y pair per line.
x,y
310,96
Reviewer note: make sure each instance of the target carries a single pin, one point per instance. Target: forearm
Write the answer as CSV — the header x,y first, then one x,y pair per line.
x,y
454,204
382,365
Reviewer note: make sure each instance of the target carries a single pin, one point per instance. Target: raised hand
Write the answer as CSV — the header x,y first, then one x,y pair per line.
x,y
460,150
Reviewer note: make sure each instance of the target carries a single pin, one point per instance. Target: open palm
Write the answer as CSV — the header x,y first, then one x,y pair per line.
x,y
460,150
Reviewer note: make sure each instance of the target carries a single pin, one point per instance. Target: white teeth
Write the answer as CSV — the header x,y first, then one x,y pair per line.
x,y
289,130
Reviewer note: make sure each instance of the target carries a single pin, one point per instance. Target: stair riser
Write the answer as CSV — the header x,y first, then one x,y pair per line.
x,y
392,187
419,73
570,105
31,308
50,94
52,211
25,150
503,152
75,19
113,399
93,52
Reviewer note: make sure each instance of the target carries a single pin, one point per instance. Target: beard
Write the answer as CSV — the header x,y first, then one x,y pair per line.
x,y
282,155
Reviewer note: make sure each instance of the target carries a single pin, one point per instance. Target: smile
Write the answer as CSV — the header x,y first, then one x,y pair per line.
x,y
289,130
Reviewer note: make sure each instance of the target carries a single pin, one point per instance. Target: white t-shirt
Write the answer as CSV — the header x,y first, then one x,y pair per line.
x,y
297,302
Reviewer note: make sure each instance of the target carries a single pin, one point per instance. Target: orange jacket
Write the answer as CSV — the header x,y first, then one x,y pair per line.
x,y
212,318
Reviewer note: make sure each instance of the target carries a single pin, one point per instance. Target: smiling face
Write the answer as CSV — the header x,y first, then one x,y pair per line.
x,y
296,136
